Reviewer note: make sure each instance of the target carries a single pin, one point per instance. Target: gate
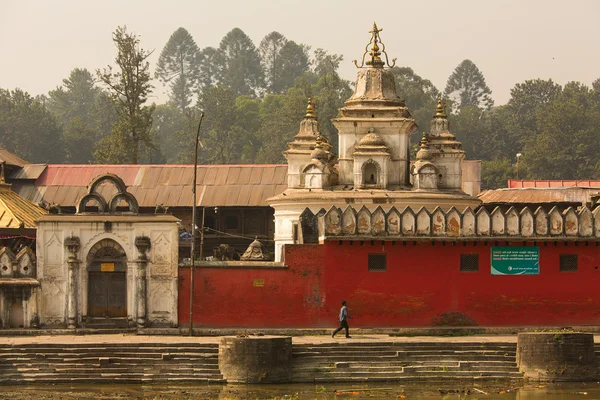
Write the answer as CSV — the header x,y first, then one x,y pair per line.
x,y
107,284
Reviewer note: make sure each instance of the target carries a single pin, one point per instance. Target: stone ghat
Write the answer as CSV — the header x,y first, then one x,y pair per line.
x,y
336,223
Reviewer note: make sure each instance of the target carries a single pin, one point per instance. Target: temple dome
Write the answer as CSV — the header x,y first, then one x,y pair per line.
x,y
371,139
319,154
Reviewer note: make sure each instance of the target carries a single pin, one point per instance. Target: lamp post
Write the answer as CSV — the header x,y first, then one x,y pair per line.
x,y
193,247
519,155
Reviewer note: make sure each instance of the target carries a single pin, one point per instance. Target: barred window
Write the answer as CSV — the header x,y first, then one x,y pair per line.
x,y
469,262
377,262
568,263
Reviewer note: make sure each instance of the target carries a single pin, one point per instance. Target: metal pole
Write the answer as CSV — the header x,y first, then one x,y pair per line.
x,y
193,247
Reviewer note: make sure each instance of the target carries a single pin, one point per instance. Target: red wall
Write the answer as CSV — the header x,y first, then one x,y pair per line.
x,y
292,297
422,286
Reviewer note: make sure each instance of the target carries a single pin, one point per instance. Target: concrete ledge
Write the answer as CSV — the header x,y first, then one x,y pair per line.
x,y
238,265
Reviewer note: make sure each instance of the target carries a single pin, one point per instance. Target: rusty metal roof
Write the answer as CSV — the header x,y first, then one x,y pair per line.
x,y
10,158
514,184
577,195
170,185
17,212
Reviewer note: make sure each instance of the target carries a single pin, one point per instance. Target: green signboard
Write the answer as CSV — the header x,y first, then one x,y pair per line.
x,y
515,260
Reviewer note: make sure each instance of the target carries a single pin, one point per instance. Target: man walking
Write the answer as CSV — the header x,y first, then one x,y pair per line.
x,y
343,320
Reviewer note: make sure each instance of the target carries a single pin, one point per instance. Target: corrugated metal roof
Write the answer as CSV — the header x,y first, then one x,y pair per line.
x,y
170,185
17,212
29,171
577,195
514,184
10,158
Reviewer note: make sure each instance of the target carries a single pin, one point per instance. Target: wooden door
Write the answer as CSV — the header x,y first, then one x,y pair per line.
x,y
107,294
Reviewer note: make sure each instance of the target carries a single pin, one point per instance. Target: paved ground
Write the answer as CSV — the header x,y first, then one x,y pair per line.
x,y
132,338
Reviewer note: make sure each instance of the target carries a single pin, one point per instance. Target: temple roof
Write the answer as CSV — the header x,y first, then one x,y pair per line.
x,y
10,158
15,211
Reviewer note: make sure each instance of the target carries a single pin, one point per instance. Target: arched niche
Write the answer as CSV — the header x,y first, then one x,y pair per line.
x,y
371,173
91,202
121,202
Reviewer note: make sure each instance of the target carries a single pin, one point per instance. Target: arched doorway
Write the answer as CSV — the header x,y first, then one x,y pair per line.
x,y
107,284
370,173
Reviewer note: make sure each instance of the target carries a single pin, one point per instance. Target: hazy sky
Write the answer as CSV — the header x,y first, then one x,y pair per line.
x,y
509,40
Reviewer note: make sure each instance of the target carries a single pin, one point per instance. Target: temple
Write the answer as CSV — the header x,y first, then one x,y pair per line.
x,y
374,166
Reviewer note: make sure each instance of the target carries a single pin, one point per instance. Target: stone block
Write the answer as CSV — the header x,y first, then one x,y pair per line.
x,y
564,357
264,359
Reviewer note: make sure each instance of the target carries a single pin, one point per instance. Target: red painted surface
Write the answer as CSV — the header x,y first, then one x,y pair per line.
x,y
292,297
422,286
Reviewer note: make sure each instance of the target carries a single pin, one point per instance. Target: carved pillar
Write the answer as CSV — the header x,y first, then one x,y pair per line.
x,y
34,321
3,321
143,245
72,245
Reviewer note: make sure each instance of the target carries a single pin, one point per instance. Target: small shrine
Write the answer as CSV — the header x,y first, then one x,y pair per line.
x,y
107,265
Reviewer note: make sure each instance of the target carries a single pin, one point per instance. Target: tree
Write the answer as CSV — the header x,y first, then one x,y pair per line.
x,y
77,105
129,87
239,64
596,85
223,139
566,145
496,173
28,129
293,61
269,50
466,87
178,67
324,63
419,94
210,67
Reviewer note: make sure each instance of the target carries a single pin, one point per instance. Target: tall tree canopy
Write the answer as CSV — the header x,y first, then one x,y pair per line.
x,y
269,50
129,86
466,87
28,129
85,112
179,68
239,64
419,94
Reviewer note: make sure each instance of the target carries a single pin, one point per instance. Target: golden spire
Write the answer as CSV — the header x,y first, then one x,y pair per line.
x,y
375,52
310,110
440,111
423,153
424,142
2,180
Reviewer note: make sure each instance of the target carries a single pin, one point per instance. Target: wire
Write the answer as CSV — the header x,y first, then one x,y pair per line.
x,y
237,236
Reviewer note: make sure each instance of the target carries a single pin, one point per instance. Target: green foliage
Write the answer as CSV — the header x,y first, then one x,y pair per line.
x,y
178,66
129,86
238,64
466,87
85,112
28,129
419,94
495,173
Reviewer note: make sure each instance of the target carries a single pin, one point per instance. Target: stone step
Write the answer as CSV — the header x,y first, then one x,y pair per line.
x,y
401,378
109,345
404,353
71,359
113,380
432,345
377,363
108,353
433,357
212,352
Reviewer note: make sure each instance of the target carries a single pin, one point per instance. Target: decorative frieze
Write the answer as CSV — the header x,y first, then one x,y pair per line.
x,y
512,223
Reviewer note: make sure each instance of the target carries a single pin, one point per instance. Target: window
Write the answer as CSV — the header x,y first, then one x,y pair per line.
x,y
469,262
568,263
377,262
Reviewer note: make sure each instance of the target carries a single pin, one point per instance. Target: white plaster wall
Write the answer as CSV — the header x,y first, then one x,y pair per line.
x,y
161,276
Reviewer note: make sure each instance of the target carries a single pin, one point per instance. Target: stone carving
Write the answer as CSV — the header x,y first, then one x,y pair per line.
x,y
349,221
224,252
511,223
254,252
112,205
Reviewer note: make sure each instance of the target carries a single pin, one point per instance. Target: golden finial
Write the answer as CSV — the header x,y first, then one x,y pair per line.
x,y
310,109
2,180
319,141
440,111
375,52
424,142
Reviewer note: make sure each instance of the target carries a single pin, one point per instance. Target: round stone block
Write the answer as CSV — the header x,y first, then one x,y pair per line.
x,y
262,359
559,356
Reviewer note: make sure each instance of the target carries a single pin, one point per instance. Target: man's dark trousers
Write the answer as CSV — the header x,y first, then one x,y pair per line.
x,y
343,325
